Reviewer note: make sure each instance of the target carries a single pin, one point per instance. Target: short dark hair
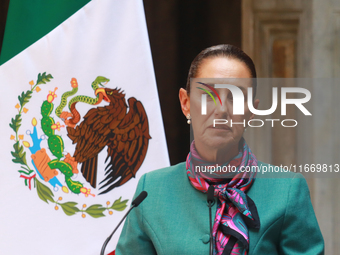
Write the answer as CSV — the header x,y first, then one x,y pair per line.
x,y
222,50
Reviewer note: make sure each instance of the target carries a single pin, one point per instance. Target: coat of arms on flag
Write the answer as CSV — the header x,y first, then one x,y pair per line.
x,y
50,169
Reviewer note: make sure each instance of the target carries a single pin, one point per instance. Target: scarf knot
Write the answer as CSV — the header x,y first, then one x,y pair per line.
x,y
236,211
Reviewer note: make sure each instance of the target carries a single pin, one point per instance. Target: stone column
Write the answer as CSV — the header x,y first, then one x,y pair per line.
x,y
300,38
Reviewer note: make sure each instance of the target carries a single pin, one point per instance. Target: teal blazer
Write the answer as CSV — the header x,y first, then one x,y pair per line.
x,y
174,218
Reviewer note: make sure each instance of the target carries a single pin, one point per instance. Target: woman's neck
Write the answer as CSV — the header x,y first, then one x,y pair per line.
x,y
216,155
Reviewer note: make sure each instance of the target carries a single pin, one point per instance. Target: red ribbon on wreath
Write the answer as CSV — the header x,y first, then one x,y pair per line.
x,y
28,178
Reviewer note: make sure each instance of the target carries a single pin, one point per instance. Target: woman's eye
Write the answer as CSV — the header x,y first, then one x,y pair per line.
x,y
212,94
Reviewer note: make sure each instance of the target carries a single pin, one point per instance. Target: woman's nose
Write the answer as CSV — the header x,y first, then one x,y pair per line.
x,y
222,109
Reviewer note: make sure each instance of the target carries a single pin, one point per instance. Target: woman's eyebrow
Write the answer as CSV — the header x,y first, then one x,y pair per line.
x,y
243,89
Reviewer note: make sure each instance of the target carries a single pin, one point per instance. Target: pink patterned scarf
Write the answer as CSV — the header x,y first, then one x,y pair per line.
x,y
235,210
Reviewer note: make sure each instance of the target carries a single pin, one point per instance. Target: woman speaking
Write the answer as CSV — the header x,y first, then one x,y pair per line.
x,y
252,214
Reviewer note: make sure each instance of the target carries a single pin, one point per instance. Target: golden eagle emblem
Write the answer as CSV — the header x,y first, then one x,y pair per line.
x,y
126,134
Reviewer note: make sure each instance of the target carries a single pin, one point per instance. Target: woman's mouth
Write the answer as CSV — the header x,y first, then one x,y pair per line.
x,y
220,127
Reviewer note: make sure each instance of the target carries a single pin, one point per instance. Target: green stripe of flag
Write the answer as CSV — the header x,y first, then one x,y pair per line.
x,y
28,21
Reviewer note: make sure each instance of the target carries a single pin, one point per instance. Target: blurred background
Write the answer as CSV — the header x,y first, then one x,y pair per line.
x,y
286,39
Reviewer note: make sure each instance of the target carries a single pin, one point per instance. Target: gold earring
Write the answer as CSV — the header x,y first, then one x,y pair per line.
x,y
189,119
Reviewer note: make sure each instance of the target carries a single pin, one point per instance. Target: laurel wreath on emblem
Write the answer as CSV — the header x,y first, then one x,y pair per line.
x,y
43,166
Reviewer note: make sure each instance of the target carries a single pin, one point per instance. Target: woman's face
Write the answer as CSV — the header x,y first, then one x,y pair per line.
x,y
223,137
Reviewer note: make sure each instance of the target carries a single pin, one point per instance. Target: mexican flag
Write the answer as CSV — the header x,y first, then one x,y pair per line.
x,y
80,123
